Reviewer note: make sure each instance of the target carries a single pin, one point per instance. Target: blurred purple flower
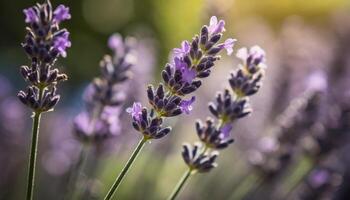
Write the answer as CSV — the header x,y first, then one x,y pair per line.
x,y
61,13
186,105
115,42
317,81
319,177
135,111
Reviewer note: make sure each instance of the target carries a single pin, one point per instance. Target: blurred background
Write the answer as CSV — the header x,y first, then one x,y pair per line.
x,y
294,145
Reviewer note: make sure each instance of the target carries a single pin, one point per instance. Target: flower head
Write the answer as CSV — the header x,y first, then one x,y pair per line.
x,y
30,15
61,43
44,43
61,13
216,27
135,111
186,105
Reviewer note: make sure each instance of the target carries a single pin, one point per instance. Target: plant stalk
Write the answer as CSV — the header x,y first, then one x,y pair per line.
x,y
125,169
180,184
34,149
33,156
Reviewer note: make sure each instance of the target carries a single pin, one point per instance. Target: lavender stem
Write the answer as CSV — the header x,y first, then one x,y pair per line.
x,y
34,150
126,168
180,184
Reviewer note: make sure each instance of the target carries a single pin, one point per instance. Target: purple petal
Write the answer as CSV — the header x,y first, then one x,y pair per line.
x,y
135,111
188,74
216,27
183,51
30,15
61,43
225,131
186,105
61,13
179,64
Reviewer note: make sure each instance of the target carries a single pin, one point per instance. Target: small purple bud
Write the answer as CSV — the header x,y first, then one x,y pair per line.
x,y
186,105
61,13
30,14
135,111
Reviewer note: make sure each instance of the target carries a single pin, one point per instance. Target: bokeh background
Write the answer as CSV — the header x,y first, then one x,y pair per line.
x,y
294,146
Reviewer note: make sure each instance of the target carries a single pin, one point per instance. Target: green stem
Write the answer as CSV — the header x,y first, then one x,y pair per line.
x,y
180,184
33,155
126,168
34,149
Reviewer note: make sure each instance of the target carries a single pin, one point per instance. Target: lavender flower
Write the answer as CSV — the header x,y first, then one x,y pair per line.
x,y
191,63
104,96
227,109
44,43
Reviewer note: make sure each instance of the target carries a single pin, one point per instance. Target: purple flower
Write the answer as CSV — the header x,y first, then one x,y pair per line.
x,y
187,74
216,27
225,131
186,105
61,13
111,114
61,43
82,123
135,111
183,51
30,14
228,45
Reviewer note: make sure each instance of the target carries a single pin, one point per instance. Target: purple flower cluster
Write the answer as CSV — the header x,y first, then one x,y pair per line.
x,y
245,81
104,95
44,43
191,62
